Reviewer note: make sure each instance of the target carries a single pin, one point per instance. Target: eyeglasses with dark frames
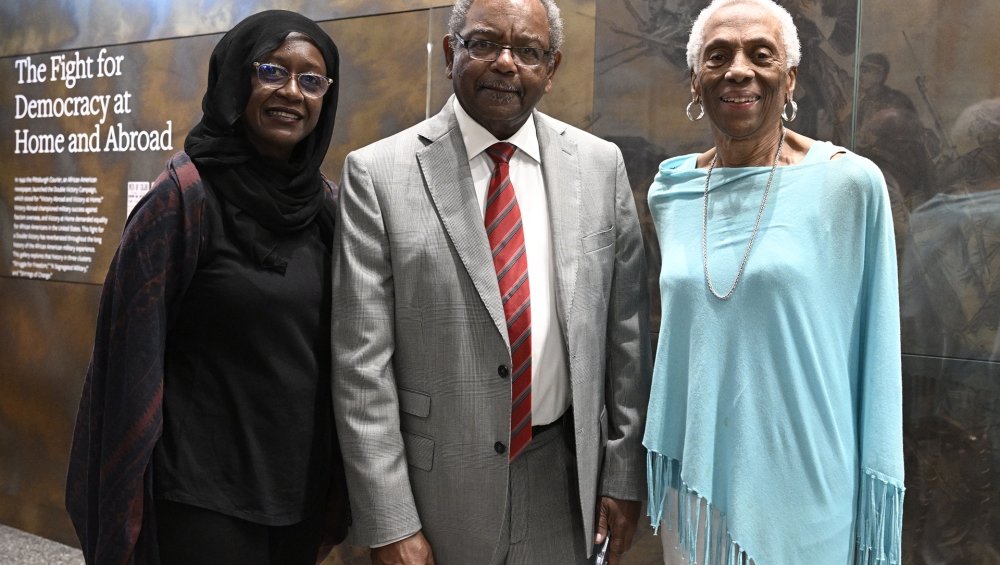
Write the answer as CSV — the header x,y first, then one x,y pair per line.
x,y
275,76
483,50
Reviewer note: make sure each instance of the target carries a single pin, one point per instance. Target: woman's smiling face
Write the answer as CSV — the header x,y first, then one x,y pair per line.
x,y
742,77
277,119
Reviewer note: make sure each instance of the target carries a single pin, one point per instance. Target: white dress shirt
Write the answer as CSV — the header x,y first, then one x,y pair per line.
x,y
550,390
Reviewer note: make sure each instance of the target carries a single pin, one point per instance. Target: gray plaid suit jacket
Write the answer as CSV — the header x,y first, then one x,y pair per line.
x,y
419,333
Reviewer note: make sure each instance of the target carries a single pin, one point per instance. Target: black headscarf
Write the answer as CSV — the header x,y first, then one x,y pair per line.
x,y
283,197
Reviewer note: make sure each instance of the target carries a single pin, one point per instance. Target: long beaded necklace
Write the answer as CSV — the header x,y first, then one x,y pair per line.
x,y
756,226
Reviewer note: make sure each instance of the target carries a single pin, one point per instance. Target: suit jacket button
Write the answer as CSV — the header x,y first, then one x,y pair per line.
x,y
499,447
503,371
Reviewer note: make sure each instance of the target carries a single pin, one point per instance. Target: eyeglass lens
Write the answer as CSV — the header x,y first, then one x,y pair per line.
x,y
276,76
489,51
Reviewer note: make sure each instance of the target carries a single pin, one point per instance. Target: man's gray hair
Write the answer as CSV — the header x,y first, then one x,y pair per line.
x,y
460,11
789,35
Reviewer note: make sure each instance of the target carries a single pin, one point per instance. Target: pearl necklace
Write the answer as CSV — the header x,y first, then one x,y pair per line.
x,y
753,235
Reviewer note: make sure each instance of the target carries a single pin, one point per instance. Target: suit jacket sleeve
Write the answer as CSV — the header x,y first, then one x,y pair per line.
x,y
629,368
365,399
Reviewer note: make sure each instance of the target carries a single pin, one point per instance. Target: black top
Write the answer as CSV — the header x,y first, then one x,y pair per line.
x,y
248,426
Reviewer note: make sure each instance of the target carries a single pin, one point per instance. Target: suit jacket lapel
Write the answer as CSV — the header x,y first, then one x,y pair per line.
x,y
445,168
562,191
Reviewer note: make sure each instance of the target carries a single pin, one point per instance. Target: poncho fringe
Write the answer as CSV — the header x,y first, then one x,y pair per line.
x,y
674,504
879,528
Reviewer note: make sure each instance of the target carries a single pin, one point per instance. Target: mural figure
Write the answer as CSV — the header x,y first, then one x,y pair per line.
x,y
661,32
951,267
874,93
827,29
894,139
950,272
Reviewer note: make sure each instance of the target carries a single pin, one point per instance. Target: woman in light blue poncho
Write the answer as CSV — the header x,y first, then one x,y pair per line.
x,y
775,417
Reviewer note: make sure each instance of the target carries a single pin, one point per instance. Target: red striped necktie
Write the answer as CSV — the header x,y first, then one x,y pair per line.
x,y
503,227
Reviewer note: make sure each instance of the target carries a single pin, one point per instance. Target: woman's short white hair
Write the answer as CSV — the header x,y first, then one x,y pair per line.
x,y
789,34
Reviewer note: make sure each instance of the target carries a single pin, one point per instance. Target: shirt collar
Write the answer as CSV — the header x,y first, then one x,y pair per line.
x,y
477,138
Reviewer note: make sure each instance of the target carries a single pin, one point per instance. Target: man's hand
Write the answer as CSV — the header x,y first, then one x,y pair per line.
x,y
414,550
620,517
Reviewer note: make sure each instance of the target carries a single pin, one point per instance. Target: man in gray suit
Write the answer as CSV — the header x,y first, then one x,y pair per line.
x,y
490,318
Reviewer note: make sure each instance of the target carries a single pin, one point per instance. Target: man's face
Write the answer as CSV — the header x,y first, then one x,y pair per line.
x,y
501,94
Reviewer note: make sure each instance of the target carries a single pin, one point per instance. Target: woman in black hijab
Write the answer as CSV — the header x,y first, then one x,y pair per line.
x,y
205,432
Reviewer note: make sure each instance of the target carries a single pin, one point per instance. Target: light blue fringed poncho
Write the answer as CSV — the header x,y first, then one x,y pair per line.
x,y
779,410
